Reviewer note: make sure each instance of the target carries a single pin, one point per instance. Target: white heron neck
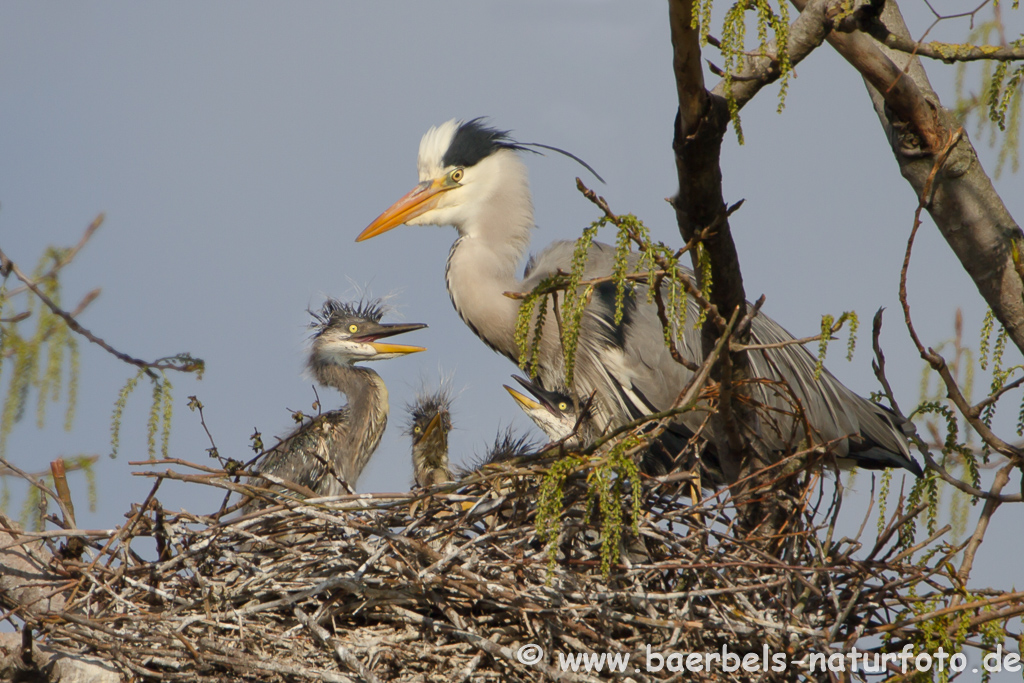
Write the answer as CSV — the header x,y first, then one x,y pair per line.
x,y
477,279
483,262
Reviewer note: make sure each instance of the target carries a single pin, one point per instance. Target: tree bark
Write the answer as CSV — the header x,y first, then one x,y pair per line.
x,y
964,205
700,127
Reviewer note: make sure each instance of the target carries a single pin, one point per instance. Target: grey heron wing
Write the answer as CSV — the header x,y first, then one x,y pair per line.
x,y
630,365
875,435
627,365
555,257
832,409
633,373
303,457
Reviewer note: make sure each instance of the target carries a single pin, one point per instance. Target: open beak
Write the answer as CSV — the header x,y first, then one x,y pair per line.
x,y
400,349
525,402
421,199
380,331
542,398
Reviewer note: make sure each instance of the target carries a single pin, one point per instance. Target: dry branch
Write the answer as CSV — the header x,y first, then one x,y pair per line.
x,y
179,364
431,585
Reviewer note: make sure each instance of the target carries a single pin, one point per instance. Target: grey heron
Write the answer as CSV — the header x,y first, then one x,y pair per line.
x,y
429,423
556,414
472,177
327,454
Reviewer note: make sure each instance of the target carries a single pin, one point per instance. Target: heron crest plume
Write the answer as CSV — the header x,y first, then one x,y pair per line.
x,y
457,143
334,311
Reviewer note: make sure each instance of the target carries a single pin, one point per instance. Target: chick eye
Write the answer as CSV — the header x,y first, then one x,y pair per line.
x,y
416,430
456,175
563,405
353,328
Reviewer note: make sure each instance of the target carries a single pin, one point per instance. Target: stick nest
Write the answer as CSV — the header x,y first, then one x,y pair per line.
x,y
449,584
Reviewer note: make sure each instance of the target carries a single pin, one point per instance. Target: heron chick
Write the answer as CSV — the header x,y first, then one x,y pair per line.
x,y
472,177
326,455
558,417
554,413
430,421
509,446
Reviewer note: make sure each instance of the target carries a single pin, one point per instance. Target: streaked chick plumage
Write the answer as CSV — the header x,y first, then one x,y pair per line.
x,y
430,421
326,455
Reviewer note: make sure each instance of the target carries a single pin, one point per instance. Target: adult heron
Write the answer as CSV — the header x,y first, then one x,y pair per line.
x,y
472,177
326,455
429,423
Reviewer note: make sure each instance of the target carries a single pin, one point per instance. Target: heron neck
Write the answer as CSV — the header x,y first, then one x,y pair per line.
x,y
367,413
483,262
430,460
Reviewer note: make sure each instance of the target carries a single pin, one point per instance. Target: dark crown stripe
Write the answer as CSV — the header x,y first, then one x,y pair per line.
x,y
474,141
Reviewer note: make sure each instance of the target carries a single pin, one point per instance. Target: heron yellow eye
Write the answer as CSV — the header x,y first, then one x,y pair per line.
x,y
456,175
353,328
563,406
417,430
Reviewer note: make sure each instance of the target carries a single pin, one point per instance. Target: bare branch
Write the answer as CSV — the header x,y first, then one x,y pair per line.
x,y
67,256
946,52
181,365
963,203
936,361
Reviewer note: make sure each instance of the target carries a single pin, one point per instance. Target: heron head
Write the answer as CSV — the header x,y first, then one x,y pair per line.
x,y
552,411
430,419
346,333
462,167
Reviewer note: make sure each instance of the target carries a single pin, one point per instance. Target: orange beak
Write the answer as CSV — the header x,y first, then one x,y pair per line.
x,y
400,349
421,199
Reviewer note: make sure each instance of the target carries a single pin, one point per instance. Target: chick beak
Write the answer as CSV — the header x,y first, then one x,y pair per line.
x,y
381,330
434,423
525,402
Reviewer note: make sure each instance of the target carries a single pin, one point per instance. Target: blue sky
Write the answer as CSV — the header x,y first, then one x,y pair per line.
x,y
238,149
